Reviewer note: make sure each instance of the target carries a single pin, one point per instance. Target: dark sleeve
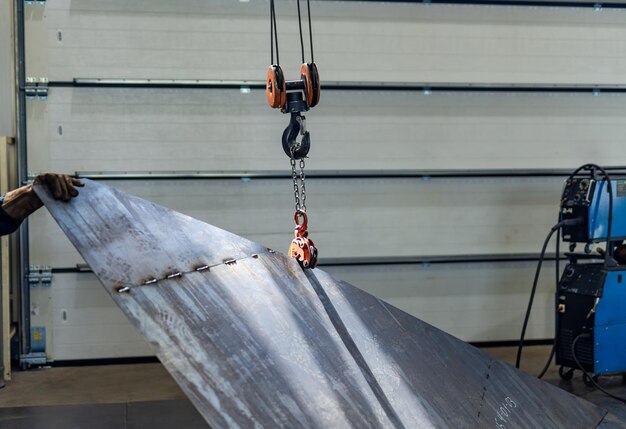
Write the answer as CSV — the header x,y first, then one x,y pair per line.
x,y
7,223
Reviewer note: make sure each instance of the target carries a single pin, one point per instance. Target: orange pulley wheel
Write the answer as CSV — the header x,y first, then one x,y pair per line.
x,y
275,87
308,72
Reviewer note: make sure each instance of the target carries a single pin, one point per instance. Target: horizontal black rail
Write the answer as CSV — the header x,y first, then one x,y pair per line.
x,y
339,86
390,260
616,171
512,343
433,260
597,5
103,361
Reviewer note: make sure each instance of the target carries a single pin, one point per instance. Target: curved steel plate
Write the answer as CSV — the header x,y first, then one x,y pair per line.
x,y
255,341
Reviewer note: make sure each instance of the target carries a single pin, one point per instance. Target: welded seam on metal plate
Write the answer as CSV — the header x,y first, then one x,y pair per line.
x,y
123,287
484,393
356,354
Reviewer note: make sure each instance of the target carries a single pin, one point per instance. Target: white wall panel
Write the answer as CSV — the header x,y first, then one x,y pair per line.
x,y
222,39
86,323
475,302
368,217
154,129
7,74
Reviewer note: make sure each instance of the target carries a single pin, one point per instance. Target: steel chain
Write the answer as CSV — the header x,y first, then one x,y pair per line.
x,y
296,189
299,189
302,187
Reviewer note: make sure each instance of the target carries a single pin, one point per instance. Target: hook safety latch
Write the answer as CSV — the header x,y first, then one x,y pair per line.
x,y
302,247
297,127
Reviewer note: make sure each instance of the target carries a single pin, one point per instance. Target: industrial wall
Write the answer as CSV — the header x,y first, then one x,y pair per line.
x,y
7,66
451,250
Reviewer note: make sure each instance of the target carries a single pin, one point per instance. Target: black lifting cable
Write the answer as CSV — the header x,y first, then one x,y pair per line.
x,y
273,34
308,6
300,27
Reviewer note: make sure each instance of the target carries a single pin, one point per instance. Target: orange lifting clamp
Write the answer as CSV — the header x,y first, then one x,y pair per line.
x,y
302,247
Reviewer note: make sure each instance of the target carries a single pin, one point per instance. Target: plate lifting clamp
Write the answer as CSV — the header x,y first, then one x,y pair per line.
x,y
302,247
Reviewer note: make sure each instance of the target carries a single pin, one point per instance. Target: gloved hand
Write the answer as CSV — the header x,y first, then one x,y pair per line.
x,y
22,202
61,186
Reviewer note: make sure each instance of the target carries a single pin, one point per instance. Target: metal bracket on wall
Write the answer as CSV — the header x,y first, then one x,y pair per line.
x,y
39,276
36,88
37,356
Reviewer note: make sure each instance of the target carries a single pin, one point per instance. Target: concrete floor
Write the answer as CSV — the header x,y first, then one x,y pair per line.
x,y
106,384
147,384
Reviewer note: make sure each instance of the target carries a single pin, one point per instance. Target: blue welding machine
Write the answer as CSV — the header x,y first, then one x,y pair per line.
x,y
588,200
591,294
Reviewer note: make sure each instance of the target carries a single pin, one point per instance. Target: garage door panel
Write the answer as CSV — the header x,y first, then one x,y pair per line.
x,y
87,324
181,130
351,217
389,42
475,302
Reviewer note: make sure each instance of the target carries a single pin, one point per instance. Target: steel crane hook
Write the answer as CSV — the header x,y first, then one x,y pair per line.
x,y
297,126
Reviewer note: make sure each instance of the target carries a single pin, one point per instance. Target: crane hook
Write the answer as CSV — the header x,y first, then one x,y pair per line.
x,y
297,126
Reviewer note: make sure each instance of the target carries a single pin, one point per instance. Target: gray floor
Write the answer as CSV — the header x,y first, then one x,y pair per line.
x,y
132,415
144,396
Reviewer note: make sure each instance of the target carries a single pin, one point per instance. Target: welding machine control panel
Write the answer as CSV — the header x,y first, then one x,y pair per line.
x,y
577,196
577,193
583,279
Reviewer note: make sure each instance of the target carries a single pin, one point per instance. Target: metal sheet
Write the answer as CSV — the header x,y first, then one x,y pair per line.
x,y
256,342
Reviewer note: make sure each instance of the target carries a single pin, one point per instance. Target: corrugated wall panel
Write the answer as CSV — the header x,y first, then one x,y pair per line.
x,y
7,74
155,129
87,324
475,302
352,218
354,41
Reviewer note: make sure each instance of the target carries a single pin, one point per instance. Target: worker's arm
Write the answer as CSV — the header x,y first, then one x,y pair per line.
x,y
17,205
7,223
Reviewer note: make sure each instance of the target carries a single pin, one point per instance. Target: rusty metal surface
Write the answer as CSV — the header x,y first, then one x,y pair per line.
x,y
256,342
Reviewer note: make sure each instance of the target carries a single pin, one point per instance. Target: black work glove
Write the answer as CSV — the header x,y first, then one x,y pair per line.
x,y
22,202
61,186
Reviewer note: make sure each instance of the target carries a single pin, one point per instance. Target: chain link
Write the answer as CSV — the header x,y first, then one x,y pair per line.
x,y
302,187
299,189
296,188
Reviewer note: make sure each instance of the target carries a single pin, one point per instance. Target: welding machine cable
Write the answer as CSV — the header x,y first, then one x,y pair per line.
x,y
555,228
600,388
